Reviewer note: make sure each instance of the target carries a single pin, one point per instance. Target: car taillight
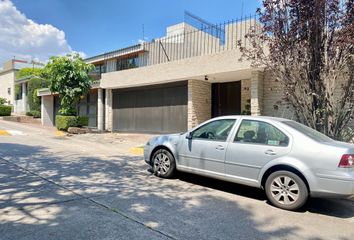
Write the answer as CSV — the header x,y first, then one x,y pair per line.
x,y
347,161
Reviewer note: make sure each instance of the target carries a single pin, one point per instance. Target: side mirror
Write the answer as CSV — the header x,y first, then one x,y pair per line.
x,y
189,136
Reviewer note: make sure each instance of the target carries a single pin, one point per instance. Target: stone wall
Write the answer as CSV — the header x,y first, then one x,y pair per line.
x,y
199,102
108,110
257,93
275,106
245,95
273,103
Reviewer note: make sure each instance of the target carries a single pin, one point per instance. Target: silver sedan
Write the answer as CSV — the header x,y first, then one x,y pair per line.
x,y
287,159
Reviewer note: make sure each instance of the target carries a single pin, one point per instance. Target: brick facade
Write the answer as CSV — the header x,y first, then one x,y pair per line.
x,y
245,95
199,102
108,110
257,80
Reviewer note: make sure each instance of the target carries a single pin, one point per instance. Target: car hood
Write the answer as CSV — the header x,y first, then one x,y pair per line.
x,y
173,138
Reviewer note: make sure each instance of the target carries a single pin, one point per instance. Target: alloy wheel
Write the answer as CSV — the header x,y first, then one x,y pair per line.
x,y
162,164
285,190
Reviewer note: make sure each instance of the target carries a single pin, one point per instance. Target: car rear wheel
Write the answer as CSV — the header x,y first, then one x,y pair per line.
x,y
286,190
163,164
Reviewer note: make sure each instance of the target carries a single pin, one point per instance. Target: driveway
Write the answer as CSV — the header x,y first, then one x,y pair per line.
x,y
79,188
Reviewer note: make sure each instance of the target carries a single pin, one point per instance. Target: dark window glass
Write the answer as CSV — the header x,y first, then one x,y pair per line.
x,y
127,63
258,132
311,133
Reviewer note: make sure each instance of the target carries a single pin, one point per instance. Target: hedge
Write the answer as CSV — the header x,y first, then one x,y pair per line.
x,y
82,121
5,110
64,122
34,113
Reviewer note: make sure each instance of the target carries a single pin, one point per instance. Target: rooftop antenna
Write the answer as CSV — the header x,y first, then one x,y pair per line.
x,y
143,33
242,9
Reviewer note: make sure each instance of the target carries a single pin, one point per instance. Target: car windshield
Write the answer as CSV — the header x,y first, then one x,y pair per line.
x,y
311,133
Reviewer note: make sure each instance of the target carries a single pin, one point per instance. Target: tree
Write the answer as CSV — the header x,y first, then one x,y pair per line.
x,y
69,77
35,83
27,72
308,47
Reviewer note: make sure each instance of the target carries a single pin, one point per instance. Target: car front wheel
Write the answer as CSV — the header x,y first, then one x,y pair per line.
x,y
163,163
286,190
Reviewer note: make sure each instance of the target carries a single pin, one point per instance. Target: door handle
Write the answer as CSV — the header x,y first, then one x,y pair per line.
x,y
220,147
270,152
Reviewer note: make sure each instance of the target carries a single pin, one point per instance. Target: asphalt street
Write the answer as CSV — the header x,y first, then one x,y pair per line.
x,y
74,188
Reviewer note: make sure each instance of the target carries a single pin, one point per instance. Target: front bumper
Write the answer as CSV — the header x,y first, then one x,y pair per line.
x,y
147,152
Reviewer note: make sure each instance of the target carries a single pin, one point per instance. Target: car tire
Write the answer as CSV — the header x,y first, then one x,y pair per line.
x,y
163,164
286,190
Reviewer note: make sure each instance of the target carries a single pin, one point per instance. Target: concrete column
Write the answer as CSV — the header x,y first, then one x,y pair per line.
x,y
47,111
109,115
100,110
257,93
24,97
199,102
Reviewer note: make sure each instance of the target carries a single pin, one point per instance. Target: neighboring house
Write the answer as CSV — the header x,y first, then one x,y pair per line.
x,y
176,82
8,84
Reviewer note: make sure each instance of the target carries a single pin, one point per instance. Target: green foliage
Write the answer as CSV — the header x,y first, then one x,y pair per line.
x,y
34,113
82,121
34,84
3,101
17,91
70,78
64,122
26,72
5,110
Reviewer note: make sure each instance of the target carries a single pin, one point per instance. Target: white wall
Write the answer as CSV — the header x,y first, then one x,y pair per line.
x,y
7,80
189,68
47,110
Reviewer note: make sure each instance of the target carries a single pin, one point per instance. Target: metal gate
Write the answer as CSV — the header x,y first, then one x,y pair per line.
x,y
157,109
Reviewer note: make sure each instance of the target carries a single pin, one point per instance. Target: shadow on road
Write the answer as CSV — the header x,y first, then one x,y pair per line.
x,y
122,184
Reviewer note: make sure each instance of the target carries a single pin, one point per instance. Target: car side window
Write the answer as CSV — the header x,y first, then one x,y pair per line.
x,y
217,130
258,132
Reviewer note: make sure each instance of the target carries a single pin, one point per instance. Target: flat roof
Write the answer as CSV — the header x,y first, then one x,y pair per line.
x,y
116,53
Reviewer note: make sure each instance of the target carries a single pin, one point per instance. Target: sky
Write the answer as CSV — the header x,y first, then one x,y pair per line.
x,y
38,29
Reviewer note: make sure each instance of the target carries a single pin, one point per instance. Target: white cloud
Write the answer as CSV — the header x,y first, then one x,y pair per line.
x,y
23,38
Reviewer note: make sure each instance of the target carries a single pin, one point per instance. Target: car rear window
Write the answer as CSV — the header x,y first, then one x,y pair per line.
x,y
311,133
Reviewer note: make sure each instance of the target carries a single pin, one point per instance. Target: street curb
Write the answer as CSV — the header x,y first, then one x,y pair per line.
x,y
137,150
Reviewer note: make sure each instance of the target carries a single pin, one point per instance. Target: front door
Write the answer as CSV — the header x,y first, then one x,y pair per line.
x,y
205,151
255,144
226,99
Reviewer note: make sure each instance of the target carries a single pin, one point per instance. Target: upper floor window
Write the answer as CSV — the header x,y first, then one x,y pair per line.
x,y
127,63
252,131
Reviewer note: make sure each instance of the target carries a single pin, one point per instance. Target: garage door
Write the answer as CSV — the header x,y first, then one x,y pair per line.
x,y
160,109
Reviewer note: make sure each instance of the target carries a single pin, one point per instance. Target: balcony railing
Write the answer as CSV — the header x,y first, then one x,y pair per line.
x,y
193,42
95,76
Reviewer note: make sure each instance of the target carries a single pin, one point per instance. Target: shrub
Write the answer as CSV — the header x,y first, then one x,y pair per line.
x,y
34,113
3,101
35,83
5,110
82,121
64,122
